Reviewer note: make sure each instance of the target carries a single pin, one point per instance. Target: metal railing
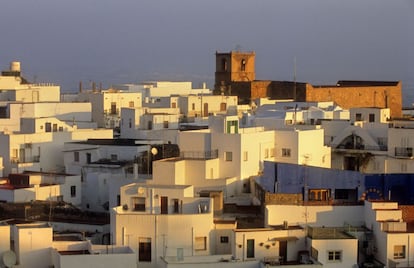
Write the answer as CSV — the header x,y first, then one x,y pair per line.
x,y
403,151
199,154
361,147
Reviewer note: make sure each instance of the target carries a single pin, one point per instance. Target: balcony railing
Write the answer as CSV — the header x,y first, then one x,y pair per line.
x,y
403,152
33,159
361,147
199,154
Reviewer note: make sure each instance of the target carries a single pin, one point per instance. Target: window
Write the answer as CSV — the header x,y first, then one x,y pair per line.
x,y
223,106
341,194
371,117
224,65
334,256
245,155
193,106
319,194
73,191
130,123
48,127
55,128
88,158
113,107
285,152
224,239
118,200
232,126
176,203
399,252
228,156
138,203
76,156
144,251
114,157
149,125
131,104
243,65
173,105
165,124
200,243
358,117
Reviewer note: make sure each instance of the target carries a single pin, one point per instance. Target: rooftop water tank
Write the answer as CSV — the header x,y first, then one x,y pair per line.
x,y
15,66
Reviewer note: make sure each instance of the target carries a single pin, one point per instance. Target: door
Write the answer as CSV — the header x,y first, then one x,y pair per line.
x,y
283,250
205,110
164,204
250,248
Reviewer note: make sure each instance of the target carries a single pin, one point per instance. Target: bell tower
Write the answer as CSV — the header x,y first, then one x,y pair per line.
x,y
234,66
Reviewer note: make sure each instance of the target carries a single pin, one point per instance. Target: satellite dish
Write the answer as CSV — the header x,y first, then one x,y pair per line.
x,y
9,258
154,151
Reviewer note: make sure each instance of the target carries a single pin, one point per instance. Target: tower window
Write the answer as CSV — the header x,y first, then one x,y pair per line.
x,y
243,65
224,65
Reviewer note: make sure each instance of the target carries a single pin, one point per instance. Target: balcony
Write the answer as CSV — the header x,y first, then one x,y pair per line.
x,y
202,155
404,152
358,147
31,159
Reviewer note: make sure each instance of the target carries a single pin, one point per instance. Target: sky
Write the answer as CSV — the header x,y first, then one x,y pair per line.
x,y
131,41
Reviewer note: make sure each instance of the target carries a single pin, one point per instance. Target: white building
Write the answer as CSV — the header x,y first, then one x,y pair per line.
x,y
204,105
107,104
39,146
33,245
302,115
162,221
31,186
14,87
226,156
152,90
370,143
105,166
150,124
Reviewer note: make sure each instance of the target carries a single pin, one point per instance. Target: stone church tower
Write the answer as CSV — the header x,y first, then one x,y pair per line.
x,y
234,66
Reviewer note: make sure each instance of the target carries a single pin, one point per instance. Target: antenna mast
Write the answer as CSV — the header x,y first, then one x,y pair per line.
x,y
294,78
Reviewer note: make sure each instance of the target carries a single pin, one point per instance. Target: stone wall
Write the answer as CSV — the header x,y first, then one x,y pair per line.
x,y
359,96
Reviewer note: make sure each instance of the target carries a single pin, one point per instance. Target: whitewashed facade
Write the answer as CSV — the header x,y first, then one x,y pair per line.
x,y
159,221
107,104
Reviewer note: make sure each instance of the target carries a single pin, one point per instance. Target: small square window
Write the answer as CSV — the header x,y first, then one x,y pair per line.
x,y
224,239
334,256
228,156
285,152
399,252
76,156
